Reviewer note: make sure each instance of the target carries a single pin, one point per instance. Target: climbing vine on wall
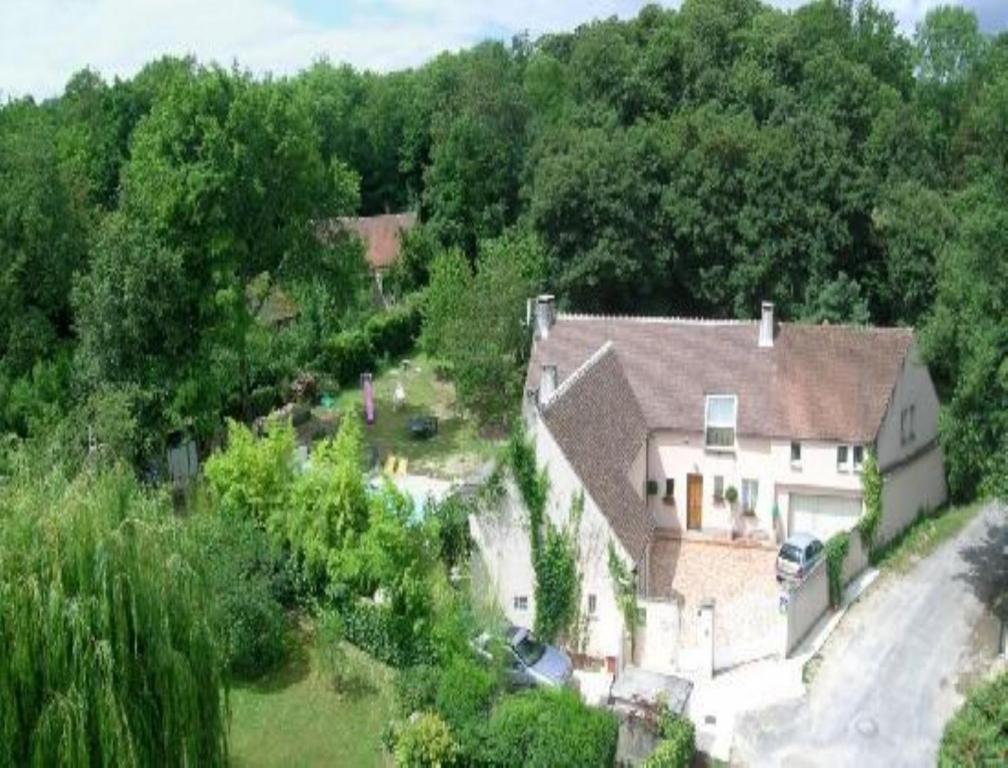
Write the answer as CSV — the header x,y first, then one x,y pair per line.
x,y
871,485
625,588
836,551
557,584
554,549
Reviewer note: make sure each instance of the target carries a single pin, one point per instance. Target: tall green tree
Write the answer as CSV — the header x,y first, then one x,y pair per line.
x,y
109,655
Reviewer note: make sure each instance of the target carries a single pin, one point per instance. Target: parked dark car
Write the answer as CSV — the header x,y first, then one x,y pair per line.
x,y
797,557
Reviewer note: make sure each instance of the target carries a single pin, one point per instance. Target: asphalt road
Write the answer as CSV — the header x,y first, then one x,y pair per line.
x,y
894,670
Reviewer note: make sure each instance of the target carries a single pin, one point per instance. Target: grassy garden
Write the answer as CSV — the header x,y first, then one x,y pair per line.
x,y
295,716
455,451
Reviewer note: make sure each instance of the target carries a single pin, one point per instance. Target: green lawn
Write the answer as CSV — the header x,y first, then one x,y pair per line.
x,y
924,536
454,452
295,718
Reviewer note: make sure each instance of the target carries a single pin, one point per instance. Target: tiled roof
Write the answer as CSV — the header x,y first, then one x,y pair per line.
x,y
598,424
381,235
816,382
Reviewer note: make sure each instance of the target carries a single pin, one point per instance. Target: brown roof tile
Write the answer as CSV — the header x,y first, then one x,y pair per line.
x,y
599,426
816,382
381,235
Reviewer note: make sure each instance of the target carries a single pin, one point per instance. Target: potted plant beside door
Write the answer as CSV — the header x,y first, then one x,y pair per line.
x,y
731,496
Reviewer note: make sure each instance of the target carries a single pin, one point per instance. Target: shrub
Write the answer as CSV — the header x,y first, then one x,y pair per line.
x,y
425,742
247,583
465,693
836,551
377,630
393,332
871,483
416,688
976,735
348,354
448,525
549,728
678,743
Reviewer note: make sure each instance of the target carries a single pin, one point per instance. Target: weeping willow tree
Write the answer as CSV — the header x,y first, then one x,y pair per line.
x,y
107,653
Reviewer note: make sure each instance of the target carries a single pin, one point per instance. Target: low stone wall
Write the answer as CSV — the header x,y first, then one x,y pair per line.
x,y
806,605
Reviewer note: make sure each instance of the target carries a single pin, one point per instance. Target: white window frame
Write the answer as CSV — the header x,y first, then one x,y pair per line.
x,y
592,604
520,602
719,496
749,504
857,465
733,426
845,465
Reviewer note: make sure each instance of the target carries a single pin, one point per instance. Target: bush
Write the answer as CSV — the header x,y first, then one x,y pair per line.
x,y
425,742
448,525
678,743
465,693
348,354
416,689
377,630
836,551
977,735
247,584
351,352
549,728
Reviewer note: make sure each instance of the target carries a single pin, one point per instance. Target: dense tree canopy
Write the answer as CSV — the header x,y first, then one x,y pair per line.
x,y
686,161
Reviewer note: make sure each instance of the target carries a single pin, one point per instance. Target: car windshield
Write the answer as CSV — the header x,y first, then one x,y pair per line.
x,y
791,553
529,650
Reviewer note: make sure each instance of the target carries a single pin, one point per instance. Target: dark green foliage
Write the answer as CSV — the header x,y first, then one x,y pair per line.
x,y
871,485
549,729
247,583
977,736
416,688
464,696
678,744
836,551
388,334
448,524
105,619
383,634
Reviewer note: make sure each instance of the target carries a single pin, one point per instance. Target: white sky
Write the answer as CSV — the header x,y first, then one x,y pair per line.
x,y
43,42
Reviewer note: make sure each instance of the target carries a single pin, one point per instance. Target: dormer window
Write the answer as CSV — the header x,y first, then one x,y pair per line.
x,y
719,426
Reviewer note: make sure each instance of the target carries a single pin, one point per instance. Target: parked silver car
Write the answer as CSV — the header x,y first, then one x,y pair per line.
x,y
797,557
528,661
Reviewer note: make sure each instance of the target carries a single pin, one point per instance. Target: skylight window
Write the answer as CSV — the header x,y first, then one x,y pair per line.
x,y
721,414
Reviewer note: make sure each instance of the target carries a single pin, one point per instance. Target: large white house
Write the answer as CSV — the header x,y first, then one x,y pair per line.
x,y
661,422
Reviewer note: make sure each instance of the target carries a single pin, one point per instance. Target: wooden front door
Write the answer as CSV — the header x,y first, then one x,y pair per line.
x,y
694,502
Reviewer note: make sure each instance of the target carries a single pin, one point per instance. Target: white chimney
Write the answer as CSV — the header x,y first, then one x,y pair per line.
x,y
545,315
766,325
547,384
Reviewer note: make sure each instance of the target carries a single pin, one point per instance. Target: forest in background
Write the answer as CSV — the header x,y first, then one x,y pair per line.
x,y
687,162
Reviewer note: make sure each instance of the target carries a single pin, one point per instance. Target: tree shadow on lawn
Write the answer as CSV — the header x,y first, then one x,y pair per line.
x,y
292,669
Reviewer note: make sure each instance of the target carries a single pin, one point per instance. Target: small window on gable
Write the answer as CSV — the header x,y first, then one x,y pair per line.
x,y
592,604
795,452
913,432
669,487
718,487
858,453
521,602
907,434
720,419
842,458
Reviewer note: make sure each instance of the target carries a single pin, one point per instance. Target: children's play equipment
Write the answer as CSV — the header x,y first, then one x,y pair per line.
x,y
368,389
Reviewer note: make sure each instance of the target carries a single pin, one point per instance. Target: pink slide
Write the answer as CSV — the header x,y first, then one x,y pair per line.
x,y
368,397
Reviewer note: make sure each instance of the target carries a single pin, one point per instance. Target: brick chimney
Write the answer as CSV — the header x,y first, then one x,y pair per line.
x,y
766,325
545,315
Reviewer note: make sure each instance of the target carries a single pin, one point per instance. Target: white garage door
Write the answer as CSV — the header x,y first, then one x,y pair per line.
x,y
822,516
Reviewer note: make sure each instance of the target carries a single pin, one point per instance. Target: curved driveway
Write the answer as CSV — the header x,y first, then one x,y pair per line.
x,y
893,671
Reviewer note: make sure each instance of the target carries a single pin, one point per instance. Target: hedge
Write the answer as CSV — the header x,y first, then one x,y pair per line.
x,y
377,630
547,728
978,733
350,353
677,746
